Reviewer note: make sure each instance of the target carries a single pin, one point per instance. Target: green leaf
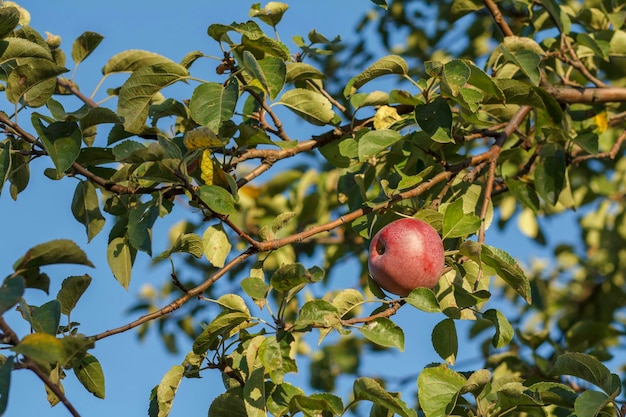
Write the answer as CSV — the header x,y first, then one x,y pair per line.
x,y
256,288
508,269
275,74
600,49
137,92
5,161
216,245
438,390
375,98
46,318
340,153
266,46
346,300
141,218
524,194
75,347
554,10
14,48
424,299
9,19
445,340
275,356
233,302
71,290
132,60
318,313
213,103
84,45
587,368
383,332
435,119
550,172
588,141
60,251
281,220
477,381
309,105
456,73
62,141
86,208
89,373
271,13
98,115
189,243
221,326
250,29
590,403
458,224
11,292
279,398
5,378
479,79
299,71
504,330
33,82
254,393
315,404
121,256
289,276
375,141
370,390
217,199
524,53
228,404
41,347
167,388
391,64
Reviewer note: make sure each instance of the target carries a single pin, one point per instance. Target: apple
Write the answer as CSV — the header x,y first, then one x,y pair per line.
x,y
404,255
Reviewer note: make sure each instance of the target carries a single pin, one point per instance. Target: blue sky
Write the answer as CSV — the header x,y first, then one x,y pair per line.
x,y
42,211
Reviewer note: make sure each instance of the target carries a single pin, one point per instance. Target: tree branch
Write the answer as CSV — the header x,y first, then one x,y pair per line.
x,y
498,18
12,339
570,95
56,390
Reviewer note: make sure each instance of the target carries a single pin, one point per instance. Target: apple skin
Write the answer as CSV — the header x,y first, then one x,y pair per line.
x,y
406,254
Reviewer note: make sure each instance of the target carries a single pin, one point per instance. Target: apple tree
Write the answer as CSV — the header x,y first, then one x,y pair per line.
x,y
480,114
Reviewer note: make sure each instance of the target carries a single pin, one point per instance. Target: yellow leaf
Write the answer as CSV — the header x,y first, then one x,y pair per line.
x,y
602,121
202,137
385,117
206,167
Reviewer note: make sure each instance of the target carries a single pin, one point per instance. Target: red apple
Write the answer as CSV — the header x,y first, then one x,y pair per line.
x,y
406,254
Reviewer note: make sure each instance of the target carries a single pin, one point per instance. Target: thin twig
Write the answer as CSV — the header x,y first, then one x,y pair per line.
x,y
611,154
179,302
280,131
494,153
346,113
393,309
74,90
578,64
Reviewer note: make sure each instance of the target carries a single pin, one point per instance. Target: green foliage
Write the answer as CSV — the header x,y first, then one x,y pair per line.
x,y
533,131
